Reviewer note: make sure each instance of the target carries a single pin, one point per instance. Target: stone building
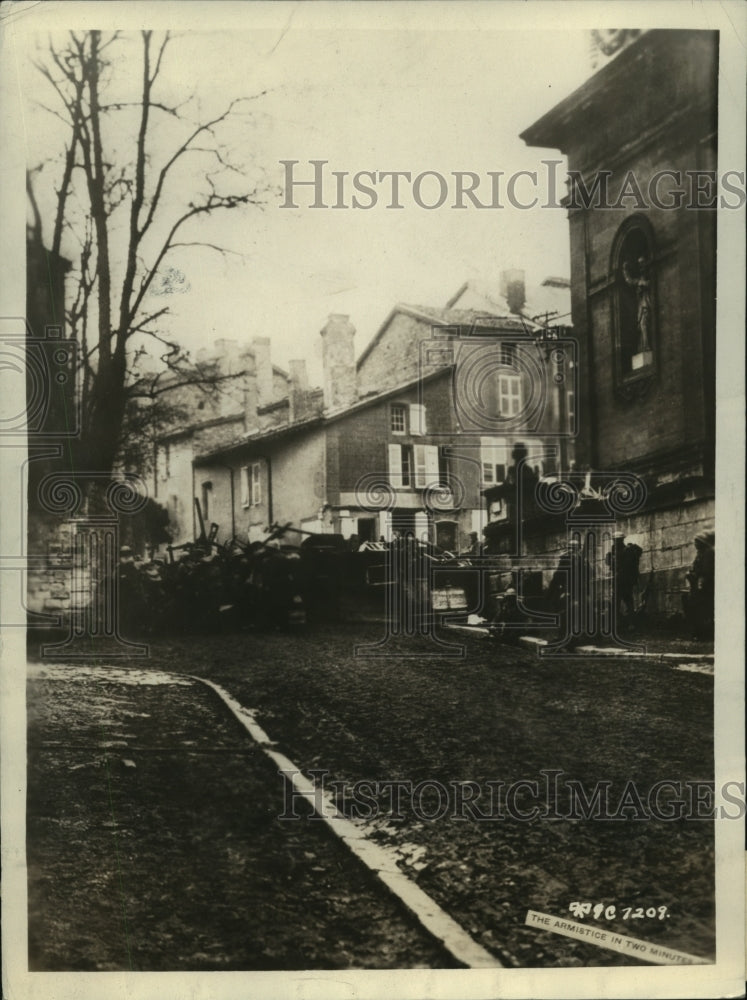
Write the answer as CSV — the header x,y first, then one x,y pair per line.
x,y
409,436
640,138
247,394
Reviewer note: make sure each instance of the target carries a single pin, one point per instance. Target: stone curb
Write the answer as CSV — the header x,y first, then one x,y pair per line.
x,y
596,652
380,861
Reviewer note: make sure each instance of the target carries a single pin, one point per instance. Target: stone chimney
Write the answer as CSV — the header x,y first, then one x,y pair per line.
x,y
338,360
513,289
249,389
298,389
227,355
263,370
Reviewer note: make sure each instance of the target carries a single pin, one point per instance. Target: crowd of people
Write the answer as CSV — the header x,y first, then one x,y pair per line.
x,y
273,585
586,607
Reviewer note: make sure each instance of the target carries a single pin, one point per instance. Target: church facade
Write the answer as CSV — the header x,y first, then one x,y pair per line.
x,y
640,138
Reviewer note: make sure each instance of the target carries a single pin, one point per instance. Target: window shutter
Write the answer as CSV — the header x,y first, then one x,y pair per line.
x,y
432,471
395,465
256,485
417,419
245,486
420,466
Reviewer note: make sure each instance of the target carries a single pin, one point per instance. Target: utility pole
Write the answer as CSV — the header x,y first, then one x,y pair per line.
x,y
548,335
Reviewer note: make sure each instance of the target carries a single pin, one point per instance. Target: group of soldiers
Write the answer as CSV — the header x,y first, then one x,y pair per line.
x,y
586,609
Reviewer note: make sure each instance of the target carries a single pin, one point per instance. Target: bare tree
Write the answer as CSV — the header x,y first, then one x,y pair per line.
x,y
128,205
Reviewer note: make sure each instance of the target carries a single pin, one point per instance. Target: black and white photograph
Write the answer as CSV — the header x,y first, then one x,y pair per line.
x,y
372,525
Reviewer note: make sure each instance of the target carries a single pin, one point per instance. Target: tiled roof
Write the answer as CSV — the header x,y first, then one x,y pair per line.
x,y
470,318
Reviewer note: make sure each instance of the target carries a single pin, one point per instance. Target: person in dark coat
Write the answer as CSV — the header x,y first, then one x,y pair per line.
x,y
623,560
568,592
474,544
698,604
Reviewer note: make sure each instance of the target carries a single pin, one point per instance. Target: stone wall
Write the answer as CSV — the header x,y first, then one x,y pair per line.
x,y
665,537
59,577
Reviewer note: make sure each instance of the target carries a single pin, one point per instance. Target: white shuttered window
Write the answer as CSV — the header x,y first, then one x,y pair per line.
x,y
395,465
417,419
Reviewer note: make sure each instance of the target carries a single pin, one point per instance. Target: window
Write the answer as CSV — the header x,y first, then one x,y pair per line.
x,y
493,473
398,418
251,485
508,354
494,460
509,395
413,465
207,489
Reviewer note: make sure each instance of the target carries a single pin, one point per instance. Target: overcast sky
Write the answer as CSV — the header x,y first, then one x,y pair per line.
x,y
383,89
374,98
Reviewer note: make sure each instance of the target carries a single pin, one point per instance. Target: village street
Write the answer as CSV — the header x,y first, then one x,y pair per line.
x,y
161,835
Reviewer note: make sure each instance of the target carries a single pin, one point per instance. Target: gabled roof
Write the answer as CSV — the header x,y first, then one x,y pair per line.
x,y
553,296
470,318
464,319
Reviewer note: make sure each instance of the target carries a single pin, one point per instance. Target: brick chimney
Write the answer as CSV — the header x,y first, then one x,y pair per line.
x,y
338,360
513,289
298,389
263,370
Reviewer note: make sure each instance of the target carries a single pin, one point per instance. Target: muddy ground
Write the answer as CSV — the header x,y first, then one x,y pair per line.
x,y
155,842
